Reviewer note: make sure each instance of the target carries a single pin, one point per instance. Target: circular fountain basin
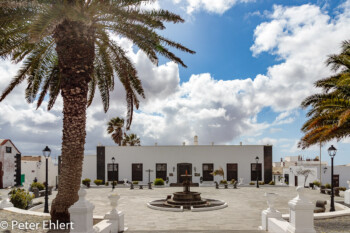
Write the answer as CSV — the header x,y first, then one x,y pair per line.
x,y
181,201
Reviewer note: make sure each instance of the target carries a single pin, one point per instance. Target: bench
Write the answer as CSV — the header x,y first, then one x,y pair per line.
x,y
329,191
217,185
41,193
141,185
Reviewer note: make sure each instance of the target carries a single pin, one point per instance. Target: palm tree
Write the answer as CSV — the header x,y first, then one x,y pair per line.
x,y
66,48
115,127
131,140
329,116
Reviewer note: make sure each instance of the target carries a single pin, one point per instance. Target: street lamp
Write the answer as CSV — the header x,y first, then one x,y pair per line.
x,y
46,153
113,186
256,171
332,151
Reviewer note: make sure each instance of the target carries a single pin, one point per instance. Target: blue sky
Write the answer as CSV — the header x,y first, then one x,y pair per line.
x,y
256,61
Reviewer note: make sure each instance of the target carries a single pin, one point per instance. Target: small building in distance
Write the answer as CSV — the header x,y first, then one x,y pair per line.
x,y
10,164
170,162
292,167
35,167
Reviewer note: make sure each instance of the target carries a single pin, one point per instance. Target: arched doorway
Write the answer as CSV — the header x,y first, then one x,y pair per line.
x,y
1,175
181,170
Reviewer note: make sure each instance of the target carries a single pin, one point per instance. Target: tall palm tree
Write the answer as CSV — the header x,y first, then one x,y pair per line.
x,y
329,116
66,47
131,140
115,127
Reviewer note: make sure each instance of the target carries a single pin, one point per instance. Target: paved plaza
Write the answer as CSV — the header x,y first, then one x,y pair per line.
x,y
243,212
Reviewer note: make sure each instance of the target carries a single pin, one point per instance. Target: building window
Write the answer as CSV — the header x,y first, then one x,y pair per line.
x,y
161,170
112,176
137,172
8,149
255,169
207,169
232,171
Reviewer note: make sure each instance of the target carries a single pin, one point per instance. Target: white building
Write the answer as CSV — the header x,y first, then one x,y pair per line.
x,y
10,164
35,167
290,169
170,162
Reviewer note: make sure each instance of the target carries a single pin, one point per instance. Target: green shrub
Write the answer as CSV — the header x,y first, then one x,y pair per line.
x,y
98,182
21,198
232,181
342,188
261,182
159,181
223,181
106,183
328,186
272,182
86,182
252,183
135,182
115,183
37,185
317,183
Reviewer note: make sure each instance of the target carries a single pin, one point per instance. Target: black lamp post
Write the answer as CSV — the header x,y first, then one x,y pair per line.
x,y
46,153
332,151
256,171
113,160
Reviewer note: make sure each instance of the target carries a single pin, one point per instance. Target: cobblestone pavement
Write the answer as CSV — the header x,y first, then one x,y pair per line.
x,y
333,225
11,222
243,213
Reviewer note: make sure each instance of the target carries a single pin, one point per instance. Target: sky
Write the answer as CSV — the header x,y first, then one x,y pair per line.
x,y
255,62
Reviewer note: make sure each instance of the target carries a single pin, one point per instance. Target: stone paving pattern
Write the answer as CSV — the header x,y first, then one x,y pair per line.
x,y
243,213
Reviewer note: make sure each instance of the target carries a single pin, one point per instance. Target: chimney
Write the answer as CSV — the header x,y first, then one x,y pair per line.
x,y
240,143
195,140
155,144
184,143
212,143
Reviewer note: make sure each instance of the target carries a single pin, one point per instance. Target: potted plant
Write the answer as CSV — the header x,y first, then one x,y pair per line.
x,y
159,182
86,182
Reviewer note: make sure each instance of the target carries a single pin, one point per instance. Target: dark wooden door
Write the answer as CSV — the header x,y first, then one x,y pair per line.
x,y
112,175
1,175
207,169
137,172
336,180
255,170
161,170
296,181
181,170
232,171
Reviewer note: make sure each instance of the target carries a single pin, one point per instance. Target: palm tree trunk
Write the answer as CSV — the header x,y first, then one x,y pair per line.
x,y
75,50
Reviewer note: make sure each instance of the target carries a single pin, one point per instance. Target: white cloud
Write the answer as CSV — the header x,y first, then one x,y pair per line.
x,y
217,6
215,110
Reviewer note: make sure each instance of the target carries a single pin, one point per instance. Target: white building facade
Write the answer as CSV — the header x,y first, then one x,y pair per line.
x,y
320,171
170,162
35,167
10,164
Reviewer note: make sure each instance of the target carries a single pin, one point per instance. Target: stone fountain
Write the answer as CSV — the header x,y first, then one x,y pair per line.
x,y
186,200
